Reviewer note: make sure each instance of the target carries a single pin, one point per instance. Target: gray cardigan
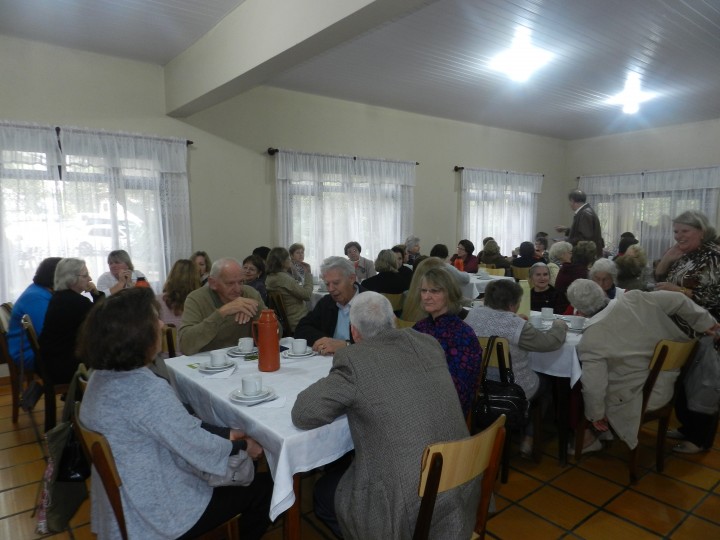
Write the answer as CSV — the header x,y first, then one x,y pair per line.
x,y
159,449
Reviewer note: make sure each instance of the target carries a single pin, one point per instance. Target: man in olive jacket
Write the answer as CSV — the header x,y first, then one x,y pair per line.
x,y
395,387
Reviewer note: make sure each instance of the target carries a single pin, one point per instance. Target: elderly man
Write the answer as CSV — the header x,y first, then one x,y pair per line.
x,y
218,315
396,390
585,225
327,327
616,348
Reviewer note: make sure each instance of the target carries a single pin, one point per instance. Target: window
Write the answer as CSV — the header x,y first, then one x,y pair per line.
x,y
500,204
326,201
99,193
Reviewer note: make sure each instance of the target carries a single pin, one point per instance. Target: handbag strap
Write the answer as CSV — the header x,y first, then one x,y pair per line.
x,y
506,373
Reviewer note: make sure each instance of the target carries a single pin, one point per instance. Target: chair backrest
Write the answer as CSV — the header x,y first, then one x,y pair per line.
x,y
520,273
169,340
5,311
97,449
446,465
496,271
396,300
668,355
501,349
31,334
276,303
486,266
402,323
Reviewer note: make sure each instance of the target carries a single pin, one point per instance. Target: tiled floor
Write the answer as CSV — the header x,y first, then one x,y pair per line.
x,y
590,500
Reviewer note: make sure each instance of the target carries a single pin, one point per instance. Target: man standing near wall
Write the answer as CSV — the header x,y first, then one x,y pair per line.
x,y
585,225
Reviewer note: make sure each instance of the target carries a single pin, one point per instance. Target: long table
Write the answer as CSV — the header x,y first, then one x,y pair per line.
x,y
288,450
477,285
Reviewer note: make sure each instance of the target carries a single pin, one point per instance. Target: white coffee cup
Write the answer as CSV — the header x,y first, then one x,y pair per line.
x,y
299,346
536,321
476,303
252,385
218,358
577,323
547,313
245,344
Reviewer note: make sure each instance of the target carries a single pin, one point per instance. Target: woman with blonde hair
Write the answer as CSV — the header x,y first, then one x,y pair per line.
x,y
412,310
632,268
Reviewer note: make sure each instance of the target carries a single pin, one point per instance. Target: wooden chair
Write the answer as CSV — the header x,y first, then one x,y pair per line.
x,y
276,302
447,465
401,323
486,266
502,349
169,340
99,454
396,301
14,374
5,311
668,355
520,273
496,271
50,389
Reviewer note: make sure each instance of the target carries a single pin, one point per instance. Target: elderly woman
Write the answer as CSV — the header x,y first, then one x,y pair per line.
x,y
498,317
293,294
440,299
464,253
614,370
203,264
364,268
583,255
254,274
542,294
491,255
122,274
604,273
560,252
297,259
412,247
692,267
412,309
632,268
388,280
123,401
34,302
182,280
66,312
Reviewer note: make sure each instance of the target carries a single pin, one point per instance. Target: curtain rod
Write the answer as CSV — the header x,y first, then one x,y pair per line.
x,y
458,168
187,142
272,151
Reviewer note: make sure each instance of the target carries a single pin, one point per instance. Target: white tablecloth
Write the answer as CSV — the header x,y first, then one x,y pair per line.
x,y
477,285
289,450
563,362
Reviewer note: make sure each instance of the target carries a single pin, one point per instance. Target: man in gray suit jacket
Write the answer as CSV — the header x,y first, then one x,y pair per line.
x,y
395,387
585,225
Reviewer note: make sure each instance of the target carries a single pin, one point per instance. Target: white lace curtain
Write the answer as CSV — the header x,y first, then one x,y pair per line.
x,y
326,201
501,204
84,193
645,203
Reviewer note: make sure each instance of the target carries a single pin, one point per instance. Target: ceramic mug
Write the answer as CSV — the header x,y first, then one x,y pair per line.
x,y
547,313
252,385
217,358
245,344
299,346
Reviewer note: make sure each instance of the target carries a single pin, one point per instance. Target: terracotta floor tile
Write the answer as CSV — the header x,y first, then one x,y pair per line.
x,y
558,507
670,491
607,466
547,469
692,473
645,511
710,459
603,526
516,522
710,508
587,486
518,486
695,529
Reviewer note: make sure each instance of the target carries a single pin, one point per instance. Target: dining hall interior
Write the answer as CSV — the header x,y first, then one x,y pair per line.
x,y
390,80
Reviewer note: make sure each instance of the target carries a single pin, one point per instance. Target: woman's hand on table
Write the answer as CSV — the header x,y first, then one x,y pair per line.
x,y
328,346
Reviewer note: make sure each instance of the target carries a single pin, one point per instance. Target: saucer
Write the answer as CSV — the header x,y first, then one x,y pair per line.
x,y
209,368
236,396
290,354
235,352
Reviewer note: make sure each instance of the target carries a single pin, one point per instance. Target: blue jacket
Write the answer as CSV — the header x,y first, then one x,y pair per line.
x,y
33,301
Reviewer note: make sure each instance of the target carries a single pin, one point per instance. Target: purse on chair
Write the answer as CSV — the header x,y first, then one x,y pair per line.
x,y
499,397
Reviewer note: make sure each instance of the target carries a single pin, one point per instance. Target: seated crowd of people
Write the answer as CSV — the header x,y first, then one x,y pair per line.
x,y
433,368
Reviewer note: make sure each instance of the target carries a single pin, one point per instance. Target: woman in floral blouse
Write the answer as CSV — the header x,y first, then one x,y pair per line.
x,y
440,299
692,267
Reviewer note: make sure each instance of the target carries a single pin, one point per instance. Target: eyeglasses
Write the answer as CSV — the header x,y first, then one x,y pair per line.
x,y
432,292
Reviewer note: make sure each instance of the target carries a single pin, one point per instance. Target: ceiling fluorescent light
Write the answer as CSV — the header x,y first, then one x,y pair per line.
x,y
632,96
522,59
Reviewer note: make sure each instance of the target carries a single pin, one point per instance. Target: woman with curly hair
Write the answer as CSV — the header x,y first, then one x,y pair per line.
x,y
183,279
203,263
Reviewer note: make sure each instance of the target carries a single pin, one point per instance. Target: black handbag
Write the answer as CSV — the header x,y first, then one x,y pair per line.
x,y
499,397
74,466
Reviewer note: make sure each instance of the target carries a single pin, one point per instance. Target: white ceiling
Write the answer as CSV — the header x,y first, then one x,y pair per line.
x,y
434,60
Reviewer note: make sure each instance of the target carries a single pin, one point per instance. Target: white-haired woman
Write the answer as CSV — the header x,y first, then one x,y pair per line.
x,y
604,272
412,247
560,252
542,294
66,312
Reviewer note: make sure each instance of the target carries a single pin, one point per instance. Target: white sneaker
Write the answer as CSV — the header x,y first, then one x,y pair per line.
x,y
594,446
675,434
526,447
